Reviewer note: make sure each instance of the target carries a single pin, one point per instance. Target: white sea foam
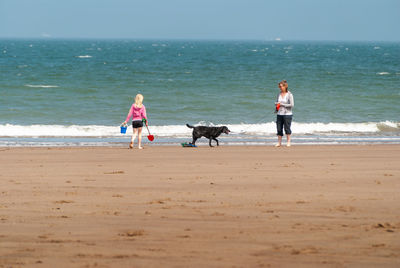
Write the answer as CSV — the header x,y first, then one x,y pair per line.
x,y
377,47
84,56
41,86
308,128
177,131
56,131
383,73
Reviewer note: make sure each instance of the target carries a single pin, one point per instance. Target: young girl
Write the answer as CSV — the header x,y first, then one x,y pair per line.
x,y
137,113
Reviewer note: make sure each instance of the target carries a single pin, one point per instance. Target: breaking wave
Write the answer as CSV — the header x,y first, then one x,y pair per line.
x,y
263,129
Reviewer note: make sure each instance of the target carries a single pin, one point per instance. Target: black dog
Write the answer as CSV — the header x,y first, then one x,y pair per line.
x,y
209,132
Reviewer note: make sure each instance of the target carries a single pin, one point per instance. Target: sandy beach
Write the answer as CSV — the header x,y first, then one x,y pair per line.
x,y
231,206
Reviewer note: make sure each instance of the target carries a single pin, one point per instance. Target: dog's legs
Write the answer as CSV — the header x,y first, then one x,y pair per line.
x,y
210,142
216,141
194,140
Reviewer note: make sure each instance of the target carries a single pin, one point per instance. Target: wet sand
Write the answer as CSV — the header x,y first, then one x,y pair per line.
x,y
331,206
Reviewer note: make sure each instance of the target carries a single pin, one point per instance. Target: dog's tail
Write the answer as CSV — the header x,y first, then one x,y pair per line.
x,y
189,126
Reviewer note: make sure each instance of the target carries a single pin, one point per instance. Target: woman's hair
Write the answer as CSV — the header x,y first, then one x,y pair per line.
x,y
139,100
284,83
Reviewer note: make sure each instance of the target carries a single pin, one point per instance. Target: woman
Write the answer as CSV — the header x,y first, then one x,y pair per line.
x,y
284,104
137,113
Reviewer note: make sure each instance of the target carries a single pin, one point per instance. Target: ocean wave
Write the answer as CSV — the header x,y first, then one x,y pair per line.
x,y
9,130
383,73
316,128
84,56
180,131
41,86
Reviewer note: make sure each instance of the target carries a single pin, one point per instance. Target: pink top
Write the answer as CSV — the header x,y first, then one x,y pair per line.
x,y
136,113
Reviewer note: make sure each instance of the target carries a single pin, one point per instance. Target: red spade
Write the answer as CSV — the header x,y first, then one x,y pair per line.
x,y
150,137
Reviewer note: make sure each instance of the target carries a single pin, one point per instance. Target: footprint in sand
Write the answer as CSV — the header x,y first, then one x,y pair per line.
x,y
159,201
267,211
43,236
217,214
115,172
63,202
345,209
120,256
132,233
183,236
387,226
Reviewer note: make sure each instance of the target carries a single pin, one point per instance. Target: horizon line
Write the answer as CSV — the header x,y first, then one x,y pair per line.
x,y
192,39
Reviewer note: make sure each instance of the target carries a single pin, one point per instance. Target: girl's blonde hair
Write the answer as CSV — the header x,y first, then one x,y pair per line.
x,y
139,100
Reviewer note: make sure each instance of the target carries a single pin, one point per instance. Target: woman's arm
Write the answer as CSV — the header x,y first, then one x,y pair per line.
x,y
291,102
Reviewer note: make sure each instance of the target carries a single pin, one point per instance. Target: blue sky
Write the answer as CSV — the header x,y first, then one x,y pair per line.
x,y
377,20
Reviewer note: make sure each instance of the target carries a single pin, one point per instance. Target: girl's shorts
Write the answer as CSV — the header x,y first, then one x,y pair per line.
x,y
137,124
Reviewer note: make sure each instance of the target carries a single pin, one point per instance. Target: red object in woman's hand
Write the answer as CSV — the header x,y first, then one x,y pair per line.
x,y
278,105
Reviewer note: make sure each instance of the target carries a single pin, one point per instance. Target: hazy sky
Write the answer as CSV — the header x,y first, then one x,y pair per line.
x,y
202,19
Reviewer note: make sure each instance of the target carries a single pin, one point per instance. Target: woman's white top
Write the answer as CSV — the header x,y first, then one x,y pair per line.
x,y
287,103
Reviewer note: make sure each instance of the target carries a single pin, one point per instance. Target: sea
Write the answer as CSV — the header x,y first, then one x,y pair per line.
x,y
56,92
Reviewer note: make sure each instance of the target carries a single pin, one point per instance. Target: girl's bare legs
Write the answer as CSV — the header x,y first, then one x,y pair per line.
x,y
288,140
140,138
135,131
279,141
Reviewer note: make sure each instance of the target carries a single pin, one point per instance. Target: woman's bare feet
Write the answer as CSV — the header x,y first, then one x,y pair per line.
x,y
278,145
131,145
140,147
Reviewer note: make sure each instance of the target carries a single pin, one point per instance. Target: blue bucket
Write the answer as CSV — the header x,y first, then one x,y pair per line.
x,y
123,129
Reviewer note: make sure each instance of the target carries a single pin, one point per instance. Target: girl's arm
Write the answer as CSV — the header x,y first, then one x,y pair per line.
x,y
143,114
129,114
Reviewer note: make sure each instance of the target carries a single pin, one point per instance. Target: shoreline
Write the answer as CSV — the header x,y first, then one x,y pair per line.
x,y
125,145
243,206
224,141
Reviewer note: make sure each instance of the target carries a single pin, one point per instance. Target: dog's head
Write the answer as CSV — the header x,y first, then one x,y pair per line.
x,y
225,130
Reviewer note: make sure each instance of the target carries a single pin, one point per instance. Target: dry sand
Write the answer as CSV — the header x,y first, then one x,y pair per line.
x,y
331,206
